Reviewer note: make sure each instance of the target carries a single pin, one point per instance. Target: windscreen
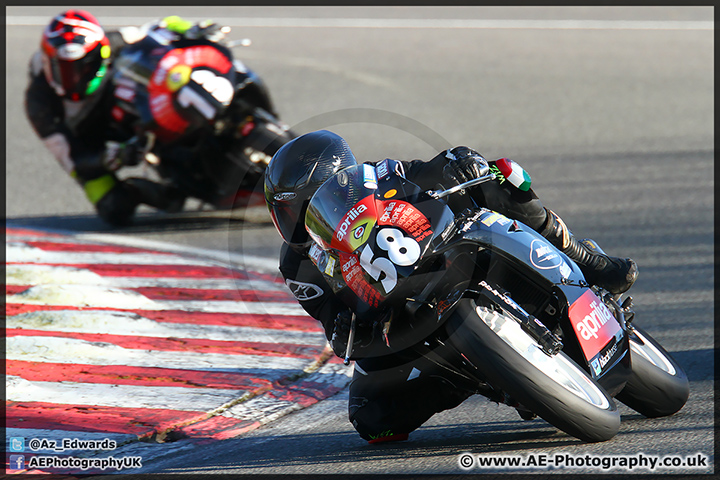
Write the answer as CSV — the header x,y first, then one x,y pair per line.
x,y
342,211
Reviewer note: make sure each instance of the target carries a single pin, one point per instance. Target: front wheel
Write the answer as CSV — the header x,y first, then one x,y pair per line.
x,y
555,388
256,150
658,386
265,135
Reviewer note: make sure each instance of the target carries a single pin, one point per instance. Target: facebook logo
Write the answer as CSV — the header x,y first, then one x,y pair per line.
x,y
17,462
17,444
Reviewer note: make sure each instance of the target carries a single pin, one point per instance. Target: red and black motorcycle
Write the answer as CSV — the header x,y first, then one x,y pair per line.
x,y
500,309
207,120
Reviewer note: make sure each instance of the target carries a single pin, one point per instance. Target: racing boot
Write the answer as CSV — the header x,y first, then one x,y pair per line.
x,y
156,195
615,275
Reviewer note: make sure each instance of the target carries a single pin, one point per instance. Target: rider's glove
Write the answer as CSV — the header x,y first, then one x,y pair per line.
x,y
124,154
341,333
206,29
464,164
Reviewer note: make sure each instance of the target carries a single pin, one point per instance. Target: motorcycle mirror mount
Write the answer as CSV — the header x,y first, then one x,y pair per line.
x,y
471,183
351,340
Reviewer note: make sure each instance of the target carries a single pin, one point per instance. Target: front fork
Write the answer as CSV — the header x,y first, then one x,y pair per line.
x,y
623,311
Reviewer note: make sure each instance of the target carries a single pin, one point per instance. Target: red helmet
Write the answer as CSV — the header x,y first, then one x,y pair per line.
x,y
76,54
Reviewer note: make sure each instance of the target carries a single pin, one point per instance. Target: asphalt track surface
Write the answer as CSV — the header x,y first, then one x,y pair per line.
x,y
609,109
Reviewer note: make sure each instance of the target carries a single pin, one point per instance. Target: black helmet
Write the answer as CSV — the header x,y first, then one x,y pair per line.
x,y
293,175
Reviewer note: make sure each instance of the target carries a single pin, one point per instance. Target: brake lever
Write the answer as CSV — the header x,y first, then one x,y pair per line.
x,y
471,183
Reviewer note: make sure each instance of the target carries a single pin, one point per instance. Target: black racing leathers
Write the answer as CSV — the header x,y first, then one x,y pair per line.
x,y
76,134
392,395
85,125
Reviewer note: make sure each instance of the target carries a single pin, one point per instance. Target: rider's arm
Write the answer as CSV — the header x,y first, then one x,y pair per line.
x,y
45,111
310,288
80,159
426,174
456,165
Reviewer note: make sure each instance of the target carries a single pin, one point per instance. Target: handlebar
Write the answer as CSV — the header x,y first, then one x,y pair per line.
x,y
471,183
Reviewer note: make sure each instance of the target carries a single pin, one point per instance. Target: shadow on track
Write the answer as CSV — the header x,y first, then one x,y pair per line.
x,y
146,222
338,449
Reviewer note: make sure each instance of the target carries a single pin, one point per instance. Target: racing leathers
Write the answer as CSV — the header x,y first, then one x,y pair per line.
x,y
85,138
94,137
394,394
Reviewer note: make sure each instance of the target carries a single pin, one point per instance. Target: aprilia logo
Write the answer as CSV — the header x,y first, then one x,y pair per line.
x,y
594,321
351,215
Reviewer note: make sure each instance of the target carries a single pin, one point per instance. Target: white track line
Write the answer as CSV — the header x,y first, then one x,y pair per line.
x,y
30,274
126,323
126,396
98,297
71,350
22,253
422,23
236,260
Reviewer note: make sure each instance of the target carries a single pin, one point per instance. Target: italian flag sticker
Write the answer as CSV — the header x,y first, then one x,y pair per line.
x,y
514,173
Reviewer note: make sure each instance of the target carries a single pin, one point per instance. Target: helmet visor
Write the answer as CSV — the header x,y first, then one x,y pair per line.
x,y
284,212
72,70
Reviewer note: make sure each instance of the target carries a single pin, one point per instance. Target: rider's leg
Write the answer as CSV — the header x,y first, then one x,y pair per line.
x,y
614,274
113,202
389,397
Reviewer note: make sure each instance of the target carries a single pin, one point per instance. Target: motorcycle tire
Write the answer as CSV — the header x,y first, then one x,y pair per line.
x,y
264,140
257,148
658,386
553,387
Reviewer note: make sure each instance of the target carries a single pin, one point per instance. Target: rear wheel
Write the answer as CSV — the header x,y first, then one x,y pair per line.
x,y
555,388
658,386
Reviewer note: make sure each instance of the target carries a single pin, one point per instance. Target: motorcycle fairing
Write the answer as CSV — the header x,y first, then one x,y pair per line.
x,y
606,358
169,86
377,228
516,244
150,75
519,244
595,326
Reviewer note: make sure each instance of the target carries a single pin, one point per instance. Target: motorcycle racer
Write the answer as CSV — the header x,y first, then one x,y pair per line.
x,y
394,394
71,104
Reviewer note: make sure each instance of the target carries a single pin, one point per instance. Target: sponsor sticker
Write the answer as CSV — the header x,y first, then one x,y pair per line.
x,y
543,255
594,324
178,77
354,277
330,267
406,217
382,169
494,217
284,196
369,178
355,227
315,253
390,193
